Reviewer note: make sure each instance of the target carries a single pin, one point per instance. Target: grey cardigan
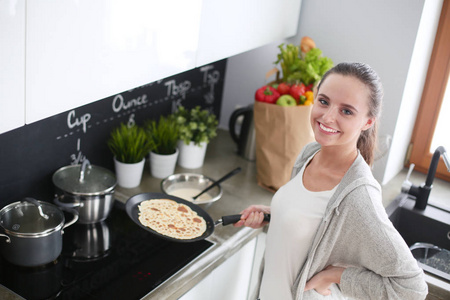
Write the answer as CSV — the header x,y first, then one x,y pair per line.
x,y
356,232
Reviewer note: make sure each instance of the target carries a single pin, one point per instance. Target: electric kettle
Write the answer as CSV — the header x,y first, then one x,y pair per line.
x,y
245,137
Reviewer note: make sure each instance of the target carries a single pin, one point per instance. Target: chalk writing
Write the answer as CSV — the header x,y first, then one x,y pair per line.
x,y
209,97
79,157
73,121
205,70
119,103
180,89
211,79
131,121
175,104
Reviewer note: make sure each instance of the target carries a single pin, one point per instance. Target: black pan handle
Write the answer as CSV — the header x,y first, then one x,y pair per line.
x,y
231,219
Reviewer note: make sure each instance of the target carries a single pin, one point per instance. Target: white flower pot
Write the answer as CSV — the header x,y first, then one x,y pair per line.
x,y
129,175
191,156
163,165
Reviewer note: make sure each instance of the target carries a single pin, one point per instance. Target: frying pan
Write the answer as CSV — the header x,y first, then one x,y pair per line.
x,y
132,210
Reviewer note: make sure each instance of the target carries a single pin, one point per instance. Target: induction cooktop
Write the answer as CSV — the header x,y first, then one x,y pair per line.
x,y
113,259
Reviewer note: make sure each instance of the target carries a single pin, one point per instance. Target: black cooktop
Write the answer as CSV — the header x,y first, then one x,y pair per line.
x,y
113,259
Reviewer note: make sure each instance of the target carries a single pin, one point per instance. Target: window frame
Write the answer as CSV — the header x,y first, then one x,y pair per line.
x,y
432,97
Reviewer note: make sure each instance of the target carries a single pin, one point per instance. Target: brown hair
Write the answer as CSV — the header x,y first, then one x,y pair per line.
x,y
368,138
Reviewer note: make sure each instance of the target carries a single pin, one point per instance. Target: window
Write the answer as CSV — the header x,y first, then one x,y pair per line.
x,y
434,113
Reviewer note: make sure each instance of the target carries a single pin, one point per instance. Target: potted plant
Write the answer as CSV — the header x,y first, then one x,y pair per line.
x,y
163,137
129,146
196,128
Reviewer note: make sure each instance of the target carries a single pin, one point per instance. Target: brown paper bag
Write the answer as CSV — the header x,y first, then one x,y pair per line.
x,y
281,133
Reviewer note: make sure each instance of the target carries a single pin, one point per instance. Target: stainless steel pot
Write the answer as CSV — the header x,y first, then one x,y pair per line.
x,y
87,188
33,230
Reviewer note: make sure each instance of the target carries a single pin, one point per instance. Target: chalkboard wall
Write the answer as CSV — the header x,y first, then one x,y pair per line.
x,y
31,154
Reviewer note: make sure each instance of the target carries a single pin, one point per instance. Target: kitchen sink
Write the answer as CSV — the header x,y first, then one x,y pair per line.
x,y
427,233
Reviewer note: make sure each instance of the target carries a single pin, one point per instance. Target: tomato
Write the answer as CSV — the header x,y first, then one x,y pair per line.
x,y
283,88
297,90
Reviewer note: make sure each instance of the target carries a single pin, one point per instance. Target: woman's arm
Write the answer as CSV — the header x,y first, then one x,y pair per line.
x,y
383,267
322,281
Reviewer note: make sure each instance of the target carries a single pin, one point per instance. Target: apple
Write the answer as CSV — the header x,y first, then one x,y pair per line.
x,y
286,100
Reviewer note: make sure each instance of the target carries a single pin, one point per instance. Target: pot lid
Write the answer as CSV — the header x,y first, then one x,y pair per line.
x,y
27,218
84,179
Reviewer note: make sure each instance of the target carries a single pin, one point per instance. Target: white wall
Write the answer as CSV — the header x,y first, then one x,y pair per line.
x,y
381,33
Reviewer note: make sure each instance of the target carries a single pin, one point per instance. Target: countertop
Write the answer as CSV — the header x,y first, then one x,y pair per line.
x,y
239,192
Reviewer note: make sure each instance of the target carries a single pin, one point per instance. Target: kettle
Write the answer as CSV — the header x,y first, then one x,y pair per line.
x,y
245,138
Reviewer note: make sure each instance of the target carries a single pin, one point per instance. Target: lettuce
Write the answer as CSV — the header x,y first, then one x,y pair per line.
x,y
308,69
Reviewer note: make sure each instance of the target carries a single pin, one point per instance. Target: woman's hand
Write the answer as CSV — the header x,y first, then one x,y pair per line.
x,y
253,216
322,281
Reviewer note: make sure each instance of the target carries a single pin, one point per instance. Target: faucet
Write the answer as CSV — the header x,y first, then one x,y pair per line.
x,y
423,192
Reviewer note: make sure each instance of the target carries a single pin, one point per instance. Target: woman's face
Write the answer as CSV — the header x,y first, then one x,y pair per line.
x,y
340,111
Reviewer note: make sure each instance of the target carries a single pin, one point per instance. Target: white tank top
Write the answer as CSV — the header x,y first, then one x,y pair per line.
x,y
295,217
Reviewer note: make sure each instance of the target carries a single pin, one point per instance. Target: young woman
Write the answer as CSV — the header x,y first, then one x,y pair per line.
x,y
329,235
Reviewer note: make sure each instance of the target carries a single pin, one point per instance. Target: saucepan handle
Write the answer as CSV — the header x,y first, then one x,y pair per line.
x,y
66,205
75,214
70,208
38,205
8,240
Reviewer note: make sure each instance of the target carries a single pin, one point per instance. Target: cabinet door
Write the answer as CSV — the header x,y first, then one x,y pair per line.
x,y
80,51
12,64
235,26
230,280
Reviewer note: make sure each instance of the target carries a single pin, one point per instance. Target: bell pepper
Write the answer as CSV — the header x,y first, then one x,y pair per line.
x,y
309,98
267,94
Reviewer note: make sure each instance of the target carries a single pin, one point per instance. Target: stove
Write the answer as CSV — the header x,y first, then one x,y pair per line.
x,y
113,259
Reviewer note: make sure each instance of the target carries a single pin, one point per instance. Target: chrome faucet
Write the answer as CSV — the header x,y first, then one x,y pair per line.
x,y
423,192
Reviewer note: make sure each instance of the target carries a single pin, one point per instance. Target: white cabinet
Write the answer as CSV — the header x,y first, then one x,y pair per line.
x,y
235,26
12,64
236,278
80,51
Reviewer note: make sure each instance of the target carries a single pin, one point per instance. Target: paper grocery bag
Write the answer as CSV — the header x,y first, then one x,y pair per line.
x,y
281,133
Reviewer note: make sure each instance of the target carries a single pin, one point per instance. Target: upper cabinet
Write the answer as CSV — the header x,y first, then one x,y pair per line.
x,y
235,26
12,64
80,51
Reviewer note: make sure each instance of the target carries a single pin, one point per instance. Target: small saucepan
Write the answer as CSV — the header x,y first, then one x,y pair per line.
x,y
87,188
33,230
132,210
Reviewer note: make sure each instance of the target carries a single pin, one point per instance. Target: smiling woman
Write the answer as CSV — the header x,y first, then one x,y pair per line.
x,y
340,242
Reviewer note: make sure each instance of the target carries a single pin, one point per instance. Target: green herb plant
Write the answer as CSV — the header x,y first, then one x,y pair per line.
x,y
129,144
196,125
162,134
299,67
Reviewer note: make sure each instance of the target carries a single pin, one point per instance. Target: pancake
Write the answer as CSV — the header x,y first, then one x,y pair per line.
x,y
171,218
